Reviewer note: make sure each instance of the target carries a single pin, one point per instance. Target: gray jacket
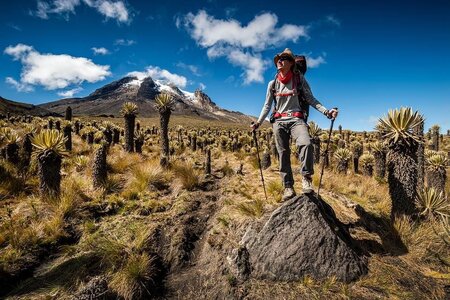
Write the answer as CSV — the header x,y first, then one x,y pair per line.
x,y
288,103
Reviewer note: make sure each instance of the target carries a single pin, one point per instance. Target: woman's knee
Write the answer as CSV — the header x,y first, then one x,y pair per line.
x,y
303,142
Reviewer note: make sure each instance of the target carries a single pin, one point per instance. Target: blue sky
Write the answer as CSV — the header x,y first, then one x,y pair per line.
x,y
367,56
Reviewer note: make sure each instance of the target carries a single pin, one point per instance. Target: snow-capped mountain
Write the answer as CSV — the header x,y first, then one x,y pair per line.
x,y
109,99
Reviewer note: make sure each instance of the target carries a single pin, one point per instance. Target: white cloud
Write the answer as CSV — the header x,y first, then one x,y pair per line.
x,y
192,68
18,86
56,7
202,86
315,62
123,42
161,75
110,9
55,71
18,51
65,5
70,93
100,51
253,65
259,34
241,45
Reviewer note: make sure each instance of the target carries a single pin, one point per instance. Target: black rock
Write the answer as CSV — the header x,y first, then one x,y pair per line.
x,y
110,88
148,89
303,237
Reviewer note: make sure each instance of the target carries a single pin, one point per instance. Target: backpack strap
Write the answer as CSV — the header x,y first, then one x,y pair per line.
x,y
304,106
301,101
273,91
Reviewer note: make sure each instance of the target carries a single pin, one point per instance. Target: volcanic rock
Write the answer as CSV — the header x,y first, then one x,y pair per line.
x,y
303,237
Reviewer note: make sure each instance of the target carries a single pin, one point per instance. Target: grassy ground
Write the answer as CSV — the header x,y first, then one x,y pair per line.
x,y
150,225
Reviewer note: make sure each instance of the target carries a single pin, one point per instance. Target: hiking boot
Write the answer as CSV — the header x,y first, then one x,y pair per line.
x,y
307,185
288,194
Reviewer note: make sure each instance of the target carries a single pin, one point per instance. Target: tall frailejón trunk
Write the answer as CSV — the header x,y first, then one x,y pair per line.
x,y
68,135
208,162
164,117
12,153
129,132
99,171
402,178
380,164
49,168
436,178
68,113
316,145
116,136
265,160
25,152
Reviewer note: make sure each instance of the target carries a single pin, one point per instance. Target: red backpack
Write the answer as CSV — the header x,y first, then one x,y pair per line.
x,y
300,67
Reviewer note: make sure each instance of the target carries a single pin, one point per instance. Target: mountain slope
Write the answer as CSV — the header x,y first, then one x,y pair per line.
x,y
19,108
109,99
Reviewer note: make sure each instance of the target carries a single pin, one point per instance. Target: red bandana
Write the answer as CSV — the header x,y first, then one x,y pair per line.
x,y
285,79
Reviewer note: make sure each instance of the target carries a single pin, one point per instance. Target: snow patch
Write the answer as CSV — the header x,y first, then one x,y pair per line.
x,y
190,96
134,82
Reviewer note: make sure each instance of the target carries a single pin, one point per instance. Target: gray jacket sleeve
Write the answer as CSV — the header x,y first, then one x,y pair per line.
x,y
309,97
267,104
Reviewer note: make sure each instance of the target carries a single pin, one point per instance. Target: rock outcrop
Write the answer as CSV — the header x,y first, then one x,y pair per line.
x,y
303,237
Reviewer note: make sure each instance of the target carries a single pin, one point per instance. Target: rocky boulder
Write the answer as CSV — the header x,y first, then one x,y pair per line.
x,y
301,238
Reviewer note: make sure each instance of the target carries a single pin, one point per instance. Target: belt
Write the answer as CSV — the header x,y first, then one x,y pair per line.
x,y
297,114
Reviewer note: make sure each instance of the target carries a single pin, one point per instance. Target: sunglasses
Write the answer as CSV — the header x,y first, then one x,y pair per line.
x,y
284,58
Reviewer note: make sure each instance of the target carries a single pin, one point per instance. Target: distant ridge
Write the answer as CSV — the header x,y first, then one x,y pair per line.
x,y
19,108
108,100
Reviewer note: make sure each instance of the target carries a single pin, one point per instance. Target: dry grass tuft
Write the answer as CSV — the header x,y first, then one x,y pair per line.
x,y
275,189
143,177
185,172
131,279
123,254
120,161
253,208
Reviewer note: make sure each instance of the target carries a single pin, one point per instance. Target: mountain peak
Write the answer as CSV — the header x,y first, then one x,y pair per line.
x,y
109,99
204,101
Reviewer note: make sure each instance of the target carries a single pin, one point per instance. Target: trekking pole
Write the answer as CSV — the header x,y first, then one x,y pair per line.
x,y
326,153
259,160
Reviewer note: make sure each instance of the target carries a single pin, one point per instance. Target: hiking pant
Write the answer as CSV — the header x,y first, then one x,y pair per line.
x,y
298,130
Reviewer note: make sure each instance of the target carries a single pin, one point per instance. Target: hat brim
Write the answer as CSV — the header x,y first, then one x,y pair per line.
x,y
280,55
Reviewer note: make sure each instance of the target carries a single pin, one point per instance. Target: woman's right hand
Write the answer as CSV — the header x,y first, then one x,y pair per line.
x,y
254,126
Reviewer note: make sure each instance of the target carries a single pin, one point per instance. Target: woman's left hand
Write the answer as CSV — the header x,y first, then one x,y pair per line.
x,y
332,113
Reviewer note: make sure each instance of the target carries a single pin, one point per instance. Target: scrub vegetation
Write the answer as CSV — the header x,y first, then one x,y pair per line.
x,y
141,208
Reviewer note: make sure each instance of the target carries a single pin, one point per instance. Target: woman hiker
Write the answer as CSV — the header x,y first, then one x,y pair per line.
x,y
290,120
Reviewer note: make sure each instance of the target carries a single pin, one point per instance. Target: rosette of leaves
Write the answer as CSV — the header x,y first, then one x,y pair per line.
x,y
342,156
98,137
432,203
436,171
367,161
48,150
107,128
139,140
10,138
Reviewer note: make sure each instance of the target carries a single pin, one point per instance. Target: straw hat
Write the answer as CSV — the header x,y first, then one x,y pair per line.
x,y
286,53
